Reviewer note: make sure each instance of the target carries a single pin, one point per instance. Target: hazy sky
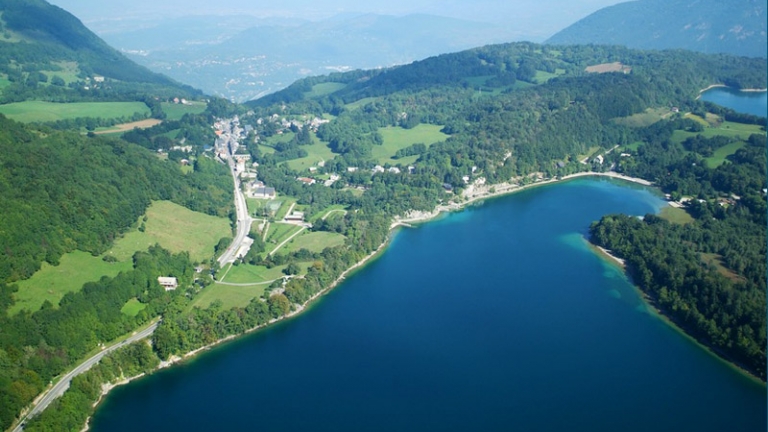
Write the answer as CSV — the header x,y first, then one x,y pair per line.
x,y
542,17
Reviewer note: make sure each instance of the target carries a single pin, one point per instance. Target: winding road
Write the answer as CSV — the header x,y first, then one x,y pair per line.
x,y
63,384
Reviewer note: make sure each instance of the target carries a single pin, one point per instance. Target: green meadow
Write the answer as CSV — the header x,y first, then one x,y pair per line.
x,y
176,111
38,111
396,138
313,242
175,228
133,307
324,89
50,283
317,152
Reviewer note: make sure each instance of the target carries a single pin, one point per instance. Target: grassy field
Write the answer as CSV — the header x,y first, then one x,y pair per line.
x,y
718,158
396,138
250,274
323,89
4,82
313,241
729,129
69,72
644,119
717,261
632,147
676,215
51,283
177,111
230,296
46,111
133,307
278,233
588,155
316,152
362,102
542,77
287,202
177,229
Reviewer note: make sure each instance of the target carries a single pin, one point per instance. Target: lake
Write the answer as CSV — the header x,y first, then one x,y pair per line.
x,y
755,103
496,318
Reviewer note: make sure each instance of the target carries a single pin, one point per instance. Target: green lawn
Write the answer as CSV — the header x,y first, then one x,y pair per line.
x,y
396,138
317,152
323,89
632,147
51,283
69,72
177,111
676,215
542,77
46,111
133,307
4,82
718,158
177,229
313,241
336,209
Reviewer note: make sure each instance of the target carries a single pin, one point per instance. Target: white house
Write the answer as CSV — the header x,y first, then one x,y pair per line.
x,y
169,283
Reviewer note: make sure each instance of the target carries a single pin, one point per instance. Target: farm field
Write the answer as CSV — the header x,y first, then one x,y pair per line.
x,y
175,228
38,111
143,124
50,283
396,138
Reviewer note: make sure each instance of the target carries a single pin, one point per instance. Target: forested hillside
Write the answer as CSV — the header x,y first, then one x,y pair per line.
x,y
46,53
63,191
735,27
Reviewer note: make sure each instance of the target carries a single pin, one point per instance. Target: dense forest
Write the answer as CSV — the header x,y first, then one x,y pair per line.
x,y
708,276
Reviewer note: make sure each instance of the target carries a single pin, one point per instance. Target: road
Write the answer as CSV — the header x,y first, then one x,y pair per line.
x,y
243,221
63,384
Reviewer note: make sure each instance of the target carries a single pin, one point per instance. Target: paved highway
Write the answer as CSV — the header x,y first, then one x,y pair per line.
x,y
63,384
243,221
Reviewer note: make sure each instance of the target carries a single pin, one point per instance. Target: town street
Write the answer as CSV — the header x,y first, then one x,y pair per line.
x,y
63,384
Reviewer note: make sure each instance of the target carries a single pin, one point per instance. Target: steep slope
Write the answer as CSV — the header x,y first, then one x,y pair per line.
x,y
37,37
711,26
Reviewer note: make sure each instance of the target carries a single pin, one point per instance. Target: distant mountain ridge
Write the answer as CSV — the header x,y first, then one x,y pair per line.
x,y
735,27
270,56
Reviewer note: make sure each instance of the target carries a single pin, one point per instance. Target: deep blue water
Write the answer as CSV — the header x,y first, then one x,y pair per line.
x,y
755,103
498,318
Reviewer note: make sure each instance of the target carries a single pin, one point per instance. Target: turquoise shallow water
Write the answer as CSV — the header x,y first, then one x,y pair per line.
x,y
755,103
498,318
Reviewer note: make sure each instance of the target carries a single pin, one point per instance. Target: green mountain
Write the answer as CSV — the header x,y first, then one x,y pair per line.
x,y
47,53
712,26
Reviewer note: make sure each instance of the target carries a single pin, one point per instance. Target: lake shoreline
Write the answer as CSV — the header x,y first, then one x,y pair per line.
x,y
414,218
653,308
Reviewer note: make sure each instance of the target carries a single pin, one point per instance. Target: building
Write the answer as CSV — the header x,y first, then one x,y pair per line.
x,y
169,283
264,193
295,217
306,180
